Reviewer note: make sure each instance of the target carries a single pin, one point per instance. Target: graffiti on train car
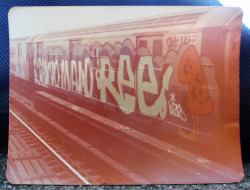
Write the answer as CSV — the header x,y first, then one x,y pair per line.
x,y
60,76
172,42
175,41
176,109
141,83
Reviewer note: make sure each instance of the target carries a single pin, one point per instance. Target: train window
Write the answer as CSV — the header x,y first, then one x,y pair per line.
x,y
96,52
12,52
51,53
74,49
157,48
55,53
27,51
39,50
20,50
143,43
60,54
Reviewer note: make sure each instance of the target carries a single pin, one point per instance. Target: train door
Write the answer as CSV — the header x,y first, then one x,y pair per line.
x,y
95,55
149,72
37,65
74,55
19,56
31,61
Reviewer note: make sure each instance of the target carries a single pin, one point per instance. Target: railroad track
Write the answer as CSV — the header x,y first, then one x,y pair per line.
x,y
89,165
30,160
147,159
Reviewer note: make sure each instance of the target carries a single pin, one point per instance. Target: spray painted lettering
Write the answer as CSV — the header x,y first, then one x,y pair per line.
x,y
175,109
73,77
176,41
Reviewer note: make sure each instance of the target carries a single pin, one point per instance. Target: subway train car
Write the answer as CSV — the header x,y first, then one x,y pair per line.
x,y
174,77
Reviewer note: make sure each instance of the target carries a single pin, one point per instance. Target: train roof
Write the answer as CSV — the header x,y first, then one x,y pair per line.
x,y
25,39
205,17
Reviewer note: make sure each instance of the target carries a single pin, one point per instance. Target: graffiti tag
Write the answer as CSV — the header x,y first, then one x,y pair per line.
x,y
175,109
